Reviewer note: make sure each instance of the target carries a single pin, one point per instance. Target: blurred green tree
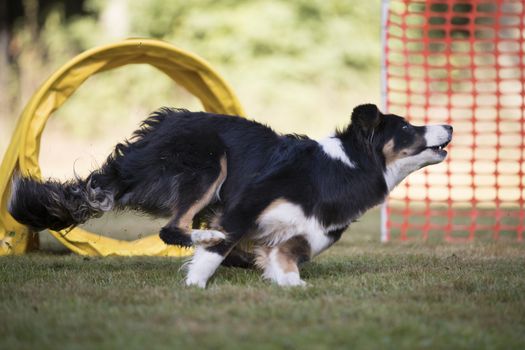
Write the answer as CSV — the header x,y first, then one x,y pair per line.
x,y
293,63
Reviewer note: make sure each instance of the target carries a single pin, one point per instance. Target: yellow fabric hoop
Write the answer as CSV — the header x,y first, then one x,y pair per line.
x,y
186,69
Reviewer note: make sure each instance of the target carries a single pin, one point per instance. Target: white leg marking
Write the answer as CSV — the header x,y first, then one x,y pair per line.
x,y
274,272
202,266
206,237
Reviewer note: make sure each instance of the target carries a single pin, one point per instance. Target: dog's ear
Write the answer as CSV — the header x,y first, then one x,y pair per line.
x,y
366,117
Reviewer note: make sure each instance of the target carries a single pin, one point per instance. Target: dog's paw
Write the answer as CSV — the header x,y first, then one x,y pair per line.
x,y
196,282
207,237
291,279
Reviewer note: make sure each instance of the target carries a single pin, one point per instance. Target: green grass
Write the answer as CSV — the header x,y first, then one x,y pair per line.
x,y
361,295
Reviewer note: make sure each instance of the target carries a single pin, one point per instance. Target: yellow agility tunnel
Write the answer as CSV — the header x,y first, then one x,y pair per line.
x,y
186,69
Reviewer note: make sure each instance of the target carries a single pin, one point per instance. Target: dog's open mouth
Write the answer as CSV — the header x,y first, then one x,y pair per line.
x,y
440,148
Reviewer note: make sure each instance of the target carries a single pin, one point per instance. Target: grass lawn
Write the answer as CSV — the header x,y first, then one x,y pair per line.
x,y
361,295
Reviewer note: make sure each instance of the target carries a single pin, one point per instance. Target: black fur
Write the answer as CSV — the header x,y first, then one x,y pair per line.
x,y
55,205
175,236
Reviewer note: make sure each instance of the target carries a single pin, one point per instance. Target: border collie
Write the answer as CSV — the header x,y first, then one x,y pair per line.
x,y
287,196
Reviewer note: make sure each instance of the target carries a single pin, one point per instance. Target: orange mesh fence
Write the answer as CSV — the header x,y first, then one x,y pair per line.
x,y
461,63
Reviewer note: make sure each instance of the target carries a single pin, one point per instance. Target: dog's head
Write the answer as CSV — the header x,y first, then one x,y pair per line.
x,y
402,147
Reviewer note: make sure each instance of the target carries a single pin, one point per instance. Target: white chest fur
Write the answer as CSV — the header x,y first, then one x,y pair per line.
x,y
283,220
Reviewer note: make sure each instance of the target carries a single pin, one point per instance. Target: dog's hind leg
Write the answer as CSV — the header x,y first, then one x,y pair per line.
x,y
281,263
192,199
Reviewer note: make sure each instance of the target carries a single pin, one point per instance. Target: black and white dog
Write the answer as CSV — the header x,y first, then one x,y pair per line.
x,y
289,197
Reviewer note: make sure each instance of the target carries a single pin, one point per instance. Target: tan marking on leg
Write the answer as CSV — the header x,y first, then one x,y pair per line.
x,y
186,219
278,267
292,252
261,256
286,263
281,264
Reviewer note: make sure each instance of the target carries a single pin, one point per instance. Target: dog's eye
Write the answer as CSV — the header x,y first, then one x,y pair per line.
x,y
405,127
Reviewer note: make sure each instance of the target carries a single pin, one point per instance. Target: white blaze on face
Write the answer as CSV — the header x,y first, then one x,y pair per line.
x,y
399,169
436,135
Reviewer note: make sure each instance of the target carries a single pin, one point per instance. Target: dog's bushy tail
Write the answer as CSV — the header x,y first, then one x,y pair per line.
x,y
57,205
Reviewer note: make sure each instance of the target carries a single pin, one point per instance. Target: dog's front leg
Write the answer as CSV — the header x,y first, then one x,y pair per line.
x,y
280,264
207,259
202,266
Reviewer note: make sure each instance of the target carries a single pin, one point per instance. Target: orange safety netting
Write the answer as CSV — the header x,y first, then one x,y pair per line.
x,y
461,63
